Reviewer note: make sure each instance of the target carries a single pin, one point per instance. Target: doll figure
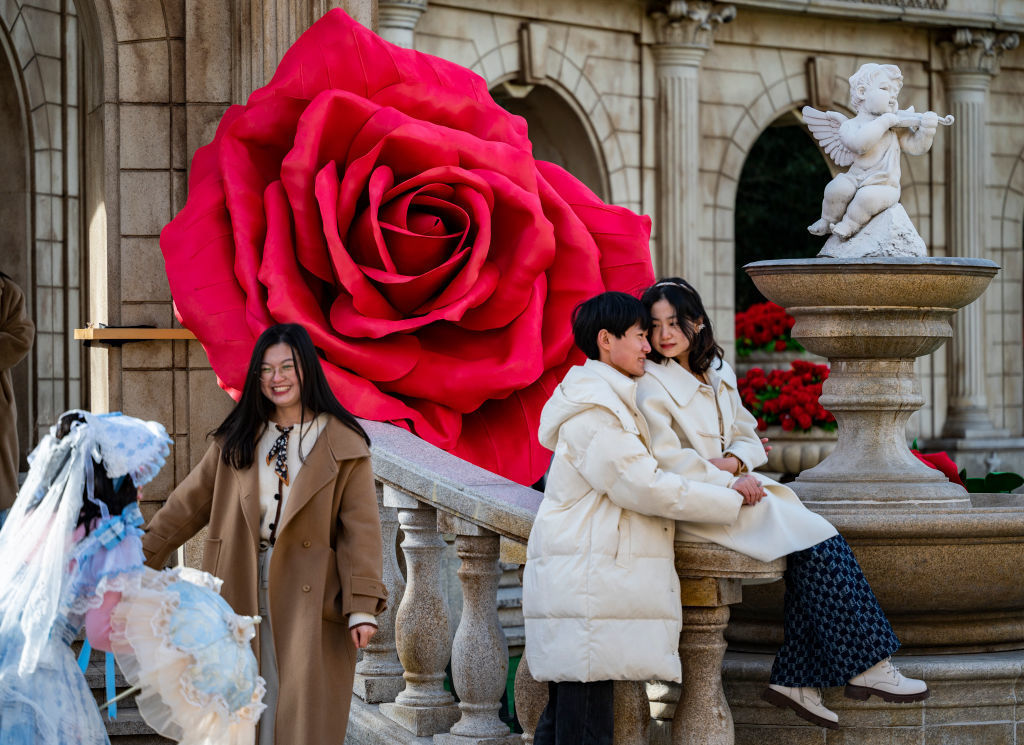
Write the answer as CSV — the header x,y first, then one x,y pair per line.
x,y
71,560
870,143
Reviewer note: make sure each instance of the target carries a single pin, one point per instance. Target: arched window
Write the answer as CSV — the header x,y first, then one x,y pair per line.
x,y
778,196
558,132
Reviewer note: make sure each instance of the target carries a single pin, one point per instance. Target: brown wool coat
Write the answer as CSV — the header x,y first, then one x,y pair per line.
x,y
327,563
16,335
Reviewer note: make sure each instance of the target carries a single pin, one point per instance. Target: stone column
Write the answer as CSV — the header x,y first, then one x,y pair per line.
x,y
480,654
710,579
422,630
379,673
972,60
684,31
397,20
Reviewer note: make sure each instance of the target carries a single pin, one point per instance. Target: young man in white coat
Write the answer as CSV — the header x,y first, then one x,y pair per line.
x,y
600,591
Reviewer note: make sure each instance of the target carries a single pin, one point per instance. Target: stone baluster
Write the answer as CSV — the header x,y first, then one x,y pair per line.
x,y
683,30
972,60
397,20
379,673
480,656
531,698
422,631
702,714
710,578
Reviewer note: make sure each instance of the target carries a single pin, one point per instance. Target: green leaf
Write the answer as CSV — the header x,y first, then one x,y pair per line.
x,y
1002,482
976,485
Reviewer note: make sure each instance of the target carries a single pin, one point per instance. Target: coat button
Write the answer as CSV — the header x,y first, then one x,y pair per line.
x,y
306,588
307,544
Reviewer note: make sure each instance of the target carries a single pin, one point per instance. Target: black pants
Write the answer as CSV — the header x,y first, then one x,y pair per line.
x,y
577,714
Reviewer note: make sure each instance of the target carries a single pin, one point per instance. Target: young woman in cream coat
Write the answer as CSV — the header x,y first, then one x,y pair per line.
x,y
835,631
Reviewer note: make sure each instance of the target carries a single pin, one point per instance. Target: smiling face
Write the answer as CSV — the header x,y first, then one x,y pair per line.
x,y
667,336
626,353
880,96
280,382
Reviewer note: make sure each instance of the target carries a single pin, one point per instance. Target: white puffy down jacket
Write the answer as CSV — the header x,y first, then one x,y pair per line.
x,y
600,591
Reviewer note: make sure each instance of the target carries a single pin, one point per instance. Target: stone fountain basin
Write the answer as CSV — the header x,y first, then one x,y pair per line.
x,y
949,580
872,308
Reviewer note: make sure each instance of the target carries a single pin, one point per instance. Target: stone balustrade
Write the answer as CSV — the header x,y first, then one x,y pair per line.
x,y
400,690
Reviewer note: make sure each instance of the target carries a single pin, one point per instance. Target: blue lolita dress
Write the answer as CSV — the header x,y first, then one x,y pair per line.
x,y
52,704
173,635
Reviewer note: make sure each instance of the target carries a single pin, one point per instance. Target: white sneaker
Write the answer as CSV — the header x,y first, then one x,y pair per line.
x,y
888,683
805,702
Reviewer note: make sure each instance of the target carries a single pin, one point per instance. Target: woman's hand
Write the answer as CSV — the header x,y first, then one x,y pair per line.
x,y
362,634
767,447
729,464
750,488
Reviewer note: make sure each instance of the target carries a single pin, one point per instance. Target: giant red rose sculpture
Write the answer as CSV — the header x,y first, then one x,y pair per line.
x,y
379,197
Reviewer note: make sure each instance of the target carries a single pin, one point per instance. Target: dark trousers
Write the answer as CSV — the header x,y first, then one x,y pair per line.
x,y
834,627
577,714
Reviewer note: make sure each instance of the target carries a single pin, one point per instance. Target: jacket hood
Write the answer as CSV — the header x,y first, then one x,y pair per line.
x,y
584,387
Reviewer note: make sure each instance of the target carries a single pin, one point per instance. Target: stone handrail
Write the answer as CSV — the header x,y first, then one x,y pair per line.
x,y
399,693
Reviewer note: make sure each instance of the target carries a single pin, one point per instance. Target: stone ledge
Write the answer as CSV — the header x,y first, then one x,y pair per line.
x,y
403,460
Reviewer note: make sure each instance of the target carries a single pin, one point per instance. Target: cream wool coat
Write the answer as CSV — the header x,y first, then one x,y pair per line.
x,y
686,432
600,591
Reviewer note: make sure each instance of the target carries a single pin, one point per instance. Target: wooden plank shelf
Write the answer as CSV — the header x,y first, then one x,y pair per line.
x,y
122,334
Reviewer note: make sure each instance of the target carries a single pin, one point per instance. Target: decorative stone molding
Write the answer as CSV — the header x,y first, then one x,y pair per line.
x,y
975,51
821,76
690,22
397,20
533,46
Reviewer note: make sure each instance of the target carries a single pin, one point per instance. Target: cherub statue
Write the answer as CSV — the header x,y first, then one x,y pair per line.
x,y
870,143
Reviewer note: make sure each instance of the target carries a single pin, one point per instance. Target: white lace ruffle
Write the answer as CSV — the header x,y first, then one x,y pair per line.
x,y
192,658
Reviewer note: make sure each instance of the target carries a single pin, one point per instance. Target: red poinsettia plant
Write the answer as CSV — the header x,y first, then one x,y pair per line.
x,y
788,398
764,327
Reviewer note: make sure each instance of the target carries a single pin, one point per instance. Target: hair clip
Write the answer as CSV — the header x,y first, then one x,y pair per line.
x,y
700,328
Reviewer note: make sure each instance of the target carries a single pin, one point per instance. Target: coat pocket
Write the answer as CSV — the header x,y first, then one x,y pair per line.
x,y
625,537
211,555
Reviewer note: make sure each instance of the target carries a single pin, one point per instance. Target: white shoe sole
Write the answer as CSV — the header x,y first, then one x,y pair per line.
x,y
862,693
783,701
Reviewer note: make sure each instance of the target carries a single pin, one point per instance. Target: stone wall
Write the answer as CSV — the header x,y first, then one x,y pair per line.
x,y
112,99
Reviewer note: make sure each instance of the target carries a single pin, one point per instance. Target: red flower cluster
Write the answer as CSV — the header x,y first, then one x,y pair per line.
x,y
764,326
787,397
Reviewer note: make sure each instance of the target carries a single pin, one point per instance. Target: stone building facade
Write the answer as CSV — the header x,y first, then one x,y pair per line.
x,y
655,105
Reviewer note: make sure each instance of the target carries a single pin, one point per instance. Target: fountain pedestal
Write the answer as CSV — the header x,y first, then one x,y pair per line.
x,y
872,318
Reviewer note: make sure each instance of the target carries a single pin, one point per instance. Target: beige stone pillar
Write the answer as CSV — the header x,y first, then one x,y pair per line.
x,y
972,60
683,30
398,18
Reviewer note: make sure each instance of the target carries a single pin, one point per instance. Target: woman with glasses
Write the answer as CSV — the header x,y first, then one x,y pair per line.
x,y
286,491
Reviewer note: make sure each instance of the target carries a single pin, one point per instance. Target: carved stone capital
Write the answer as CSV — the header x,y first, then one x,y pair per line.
x,y
689,22
977,51
397,20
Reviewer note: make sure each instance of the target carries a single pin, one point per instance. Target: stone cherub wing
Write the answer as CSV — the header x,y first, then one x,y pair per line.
x,y
824,125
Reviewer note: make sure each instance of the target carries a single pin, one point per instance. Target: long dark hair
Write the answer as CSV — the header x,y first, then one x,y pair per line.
x,y
688,306
103,487
243,426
